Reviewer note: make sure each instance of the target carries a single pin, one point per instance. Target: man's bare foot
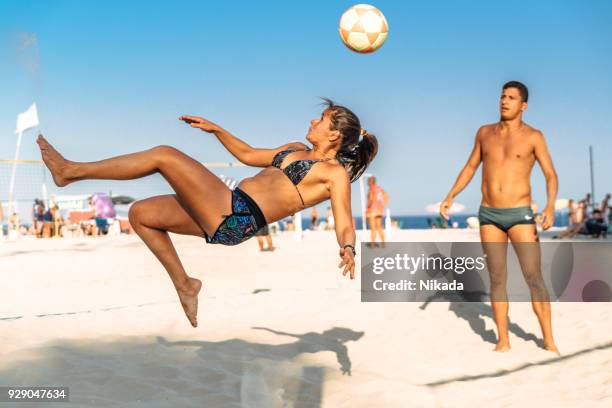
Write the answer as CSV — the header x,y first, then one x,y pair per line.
x,y
553,348
189,300
55,162
502,346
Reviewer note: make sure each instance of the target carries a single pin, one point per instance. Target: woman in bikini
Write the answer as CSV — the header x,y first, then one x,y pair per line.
x,y
377,201
295,176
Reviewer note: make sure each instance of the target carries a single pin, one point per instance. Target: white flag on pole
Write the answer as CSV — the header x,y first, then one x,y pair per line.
x,y
27,119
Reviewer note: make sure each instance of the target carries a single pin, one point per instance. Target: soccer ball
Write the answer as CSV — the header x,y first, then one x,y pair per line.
x,y
363,28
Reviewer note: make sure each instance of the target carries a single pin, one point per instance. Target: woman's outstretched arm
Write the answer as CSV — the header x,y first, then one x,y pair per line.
x,y
238,148
340,191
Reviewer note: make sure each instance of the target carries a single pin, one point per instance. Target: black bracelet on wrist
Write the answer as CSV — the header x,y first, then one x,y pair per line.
x,y
352,248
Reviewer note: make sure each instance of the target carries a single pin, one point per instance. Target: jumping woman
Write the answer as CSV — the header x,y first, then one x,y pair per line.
x,y
294,177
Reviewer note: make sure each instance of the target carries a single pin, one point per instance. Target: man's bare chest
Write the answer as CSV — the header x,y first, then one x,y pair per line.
x,y
510,149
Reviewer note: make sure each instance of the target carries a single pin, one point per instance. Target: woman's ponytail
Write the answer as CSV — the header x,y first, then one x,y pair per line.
x,y
358,147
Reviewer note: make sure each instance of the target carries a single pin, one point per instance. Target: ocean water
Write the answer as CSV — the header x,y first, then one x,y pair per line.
x,y
425,221
404,221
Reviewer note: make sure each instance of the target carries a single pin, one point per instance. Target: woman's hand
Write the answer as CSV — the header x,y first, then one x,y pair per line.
x,y
348,261
200,123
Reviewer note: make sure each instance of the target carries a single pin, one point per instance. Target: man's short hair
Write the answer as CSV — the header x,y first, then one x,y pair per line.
x,y
521,88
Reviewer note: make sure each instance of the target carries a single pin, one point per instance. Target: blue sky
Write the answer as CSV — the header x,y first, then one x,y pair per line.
x,y
112,77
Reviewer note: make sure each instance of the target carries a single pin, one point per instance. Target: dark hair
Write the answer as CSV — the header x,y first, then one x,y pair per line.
x,y
354,154
521,88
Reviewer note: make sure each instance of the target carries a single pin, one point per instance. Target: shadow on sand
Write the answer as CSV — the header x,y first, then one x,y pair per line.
x,y
474,311
501,373
136,371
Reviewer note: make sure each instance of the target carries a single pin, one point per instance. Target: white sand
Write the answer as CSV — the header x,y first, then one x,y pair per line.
x,y
100,316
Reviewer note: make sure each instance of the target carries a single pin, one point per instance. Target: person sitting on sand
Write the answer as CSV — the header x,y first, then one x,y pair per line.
x,y
595,226
295,176
576,221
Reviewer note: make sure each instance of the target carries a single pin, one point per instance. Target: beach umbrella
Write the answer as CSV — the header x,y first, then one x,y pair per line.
x,y
435,208
122,199
104,207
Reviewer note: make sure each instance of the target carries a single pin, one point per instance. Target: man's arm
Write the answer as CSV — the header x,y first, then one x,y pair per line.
x,y
552,182
340,192
465,176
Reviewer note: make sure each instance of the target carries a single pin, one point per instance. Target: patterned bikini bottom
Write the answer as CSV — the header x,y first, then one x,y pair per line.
x,y
244,221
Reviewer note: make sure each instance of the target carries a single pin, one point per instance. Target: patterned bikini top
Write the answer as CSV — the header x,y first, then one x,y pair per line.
x,y
296,170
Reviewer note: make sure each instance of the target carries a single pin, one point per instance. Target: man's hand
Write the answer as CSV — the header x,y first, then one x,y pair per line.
x,y
445,207
348,261
200,123
548,217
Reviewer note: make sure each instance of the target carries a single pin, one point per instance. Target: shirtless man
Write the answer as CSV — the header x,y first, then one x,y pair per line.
x,y
508,150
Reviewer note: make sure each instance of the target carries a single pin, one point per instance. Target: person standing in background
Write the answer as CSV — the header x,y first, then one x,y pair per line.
x,y
605,209
313,218
572,213
329,215
588,202
261,234
47,221
377,201
37,217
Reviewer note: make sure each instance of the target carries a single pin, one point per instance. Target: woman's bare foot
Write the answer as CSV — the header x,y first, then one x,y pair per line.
x,y
502,346
189,300
553,348
55,162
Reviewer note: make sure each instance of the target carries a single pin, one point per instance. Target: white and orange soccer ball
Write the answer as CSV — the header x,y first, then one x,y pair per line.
x,y
363,28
